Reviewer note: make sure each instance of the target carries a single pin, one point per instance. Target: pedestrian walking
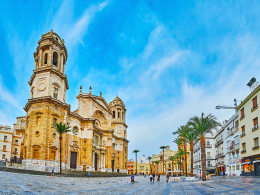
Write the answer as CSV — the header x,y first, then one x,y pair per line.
x,y
153,177
88,175
132,178
167,178
224,174
200,177
158,178
52,174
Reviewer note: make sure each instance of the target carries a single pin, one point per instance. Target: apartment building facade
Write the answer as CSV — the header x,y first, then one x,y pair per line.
x,y
6,140
220,148
248,114
131,167
210,156
233,164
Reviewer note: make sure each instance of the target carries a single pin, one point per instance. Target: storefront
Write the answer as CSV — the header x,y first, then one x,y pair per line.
x,y
250,166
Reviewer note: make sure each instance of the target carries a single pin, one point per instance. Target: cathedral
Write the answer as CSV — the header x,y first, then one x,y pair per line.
x,y
98,137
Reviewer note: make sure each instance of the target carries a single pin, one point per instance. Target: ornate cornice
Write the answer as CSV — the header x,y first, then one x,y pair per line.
x,y
52,71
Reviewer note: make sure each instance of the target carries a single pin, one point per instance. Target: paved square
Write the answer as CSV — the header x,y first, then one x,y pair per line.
x,y
16,183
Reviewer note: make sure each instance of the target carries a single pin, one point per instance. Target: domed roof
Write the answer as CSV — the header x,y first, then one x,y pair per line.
x,y
117,99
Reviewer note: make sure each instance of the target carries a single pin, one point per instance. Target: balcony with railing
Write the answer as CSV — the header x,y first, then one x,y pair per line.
x,y
233,160
256,127
243,151
208,145
233,148
209,157
219,142
220,155
254,108
209,165
232,131
243,134
255,148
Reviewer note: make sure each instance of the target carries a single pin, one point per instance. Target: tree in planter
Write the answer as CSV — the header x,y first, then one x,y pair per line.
x,y
60,129
157,162
203,125
163,148
136,151
149,158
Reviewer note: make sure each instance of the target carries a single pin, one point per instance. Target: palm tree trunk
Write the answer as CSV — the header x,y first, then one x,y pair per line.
x,y
172,167
180,165
60,154
163,161
136,163
185,159
157,169
191,155
183,166
203,158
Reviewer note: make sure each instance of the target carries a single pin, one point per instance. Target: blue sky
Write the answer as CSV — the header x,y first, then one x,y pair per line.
x,y
167,60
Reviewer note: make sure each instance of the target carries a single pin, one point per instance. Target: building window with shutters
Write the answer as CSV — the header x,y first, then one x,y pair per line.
x,y
256,144
243,128
5,138
242,114
3,156
255,123
254,103
4,148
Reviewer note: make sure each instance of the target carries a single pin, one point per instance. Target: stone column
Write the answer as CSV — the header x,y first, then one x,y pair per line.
x,y
61,63
40,59
50,56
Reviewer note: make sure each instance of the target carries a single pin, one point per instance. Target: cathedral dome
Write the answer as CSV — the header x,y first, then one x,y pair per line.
x,y
117,100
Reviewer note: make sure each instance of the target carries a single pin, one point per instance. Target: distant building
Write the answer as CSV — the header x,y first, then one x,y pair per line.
x,y
131,167
168,164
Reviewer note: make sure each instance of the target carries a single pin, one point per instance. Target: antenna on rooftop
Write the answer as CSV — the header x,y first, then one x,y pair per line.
x,y
252,84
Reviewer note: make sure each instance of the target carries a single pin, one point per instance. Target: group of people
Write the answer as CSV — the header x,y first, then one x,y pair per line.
x,y
152,178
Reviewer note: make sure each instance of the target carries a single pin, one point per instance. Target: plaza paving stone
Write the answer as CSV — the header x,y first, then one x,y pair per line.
x,y
17,183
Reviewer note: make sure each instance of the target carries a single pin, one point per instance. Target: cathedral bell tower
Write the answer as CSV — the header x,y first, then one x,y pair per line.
x,y
49,77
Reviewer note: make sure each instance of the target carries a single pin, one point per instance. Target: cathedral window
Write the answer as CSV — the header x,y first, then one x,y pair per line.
x,y
95,140
22,124
38,118
122,115
54,121
54,135
118,114
55,93
55,59
114,114
45,58
75,130
37,133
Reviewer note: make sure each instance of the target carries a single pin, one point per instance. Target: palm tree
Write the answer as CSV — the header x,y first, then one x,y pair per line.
x,y
179,142
149,158
136,151
191,137
182,132
60,129
181,154
163,148
157,162
172,158
203,125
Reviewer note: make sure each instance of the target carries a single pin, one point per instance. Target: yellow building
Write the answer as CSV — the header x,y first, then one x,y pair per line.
x,y
168,164
248,114
143,168
98,137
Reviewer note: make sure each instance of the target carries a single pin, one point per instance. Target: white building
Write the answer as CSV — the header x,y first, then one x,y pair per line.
x,y
6,140
210,155
233,164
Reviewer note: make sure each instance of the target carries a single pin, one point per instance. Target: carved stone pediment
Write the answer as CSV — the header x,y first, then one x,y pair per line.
x,y
74,147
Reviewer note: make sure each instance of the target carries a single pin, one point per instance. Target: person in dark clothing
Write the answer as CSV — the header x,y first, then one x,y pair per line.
x,y
153,177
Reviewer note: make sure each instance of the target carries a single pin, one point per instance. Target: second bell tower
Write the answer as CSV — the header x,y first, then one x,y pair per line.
x,y
49,77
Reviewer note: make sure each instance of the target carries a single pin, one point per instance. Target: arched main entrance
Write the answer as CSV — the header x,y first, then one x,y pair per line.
x,y
96,164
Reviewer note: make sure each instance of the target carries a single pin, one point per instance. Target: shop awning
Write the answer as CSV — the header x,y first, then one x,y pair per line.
x,y
256,161
245,163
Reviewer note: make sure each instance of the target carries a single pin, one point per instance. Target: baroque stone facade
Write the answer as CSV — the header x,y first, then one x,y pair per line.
x,y
98,137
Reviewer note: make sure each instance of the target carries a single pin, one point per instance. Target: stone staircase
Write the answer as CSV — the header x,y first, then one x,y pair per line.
x,y
66,173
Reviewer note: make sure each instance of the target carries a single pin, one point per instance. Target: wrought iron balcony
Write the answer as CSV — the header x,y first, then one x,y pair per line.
x,y
208,145
209,157
232,131
243,151
256,127
254,108
219,142
243,134
242,117
255,147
